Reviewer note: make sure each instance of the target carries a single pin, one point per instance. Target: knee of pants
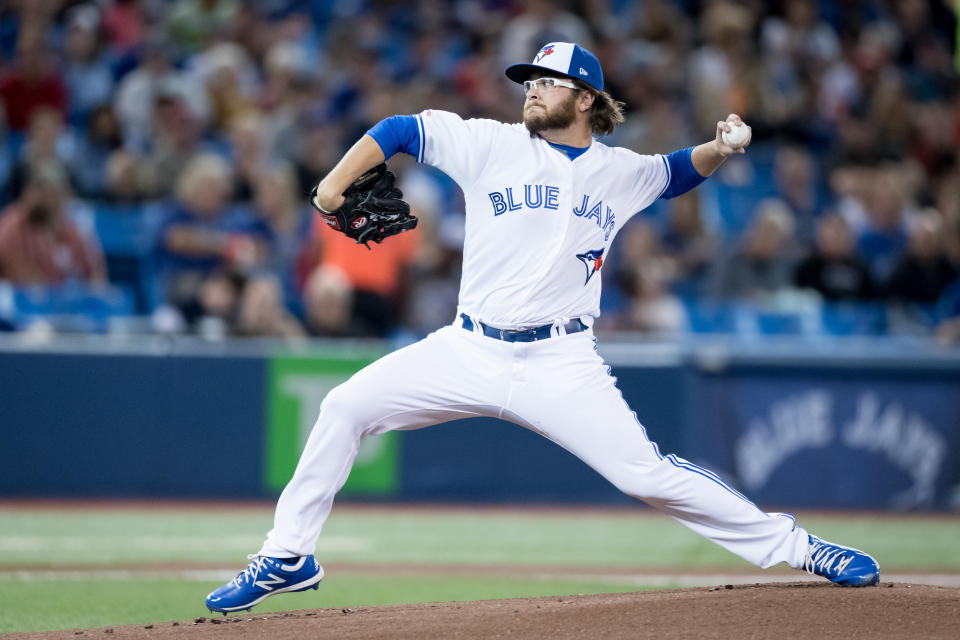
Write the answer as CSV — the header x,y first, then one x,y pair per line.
x,y
343,407
635,479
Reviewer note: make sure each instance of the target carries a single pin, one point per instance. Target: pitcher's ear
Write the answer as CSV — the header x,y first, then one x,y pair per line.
x,y
587,98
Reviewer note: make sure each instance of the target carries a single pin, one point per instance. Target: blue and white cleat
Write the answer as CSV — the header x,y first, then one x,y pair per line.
x,y
841,565
265,577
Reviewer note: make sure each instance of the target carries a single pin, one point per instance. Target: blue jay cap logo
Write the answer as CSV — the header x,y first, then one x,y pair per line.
x,y
561,58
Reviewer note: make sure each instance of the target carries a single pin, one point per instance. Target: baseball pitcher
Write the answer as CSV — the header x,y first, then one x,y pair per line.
x,y
545,200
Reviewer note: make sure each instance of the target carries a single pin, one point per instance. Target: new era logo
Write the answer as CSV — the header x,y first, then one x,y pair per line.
x,y
583,72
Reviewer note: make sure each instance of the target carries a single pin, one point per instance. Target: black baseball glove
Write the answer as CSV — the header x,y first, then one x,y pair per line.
x,y
373,208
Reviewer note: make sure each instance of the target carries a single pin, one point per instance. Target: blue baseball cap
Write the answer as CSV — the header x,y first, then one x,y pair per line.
x,y
567,59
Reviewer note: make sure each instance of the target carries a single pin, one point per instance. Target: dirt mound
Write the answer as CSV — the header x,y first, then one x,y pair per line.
x,y
794,610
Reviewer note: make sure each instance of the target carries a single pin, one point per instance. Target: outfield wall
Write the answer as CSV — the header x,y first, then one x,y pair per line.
x,y
845,425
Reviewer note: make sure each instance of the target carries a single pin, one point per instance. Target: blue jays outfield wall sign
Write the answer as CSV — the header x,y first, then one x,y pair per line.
x,y
297,386
790,442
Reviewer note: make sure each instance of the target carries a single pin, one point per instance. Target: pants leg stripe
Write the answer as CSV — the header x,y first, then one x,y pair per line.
x,y
689,466
656,449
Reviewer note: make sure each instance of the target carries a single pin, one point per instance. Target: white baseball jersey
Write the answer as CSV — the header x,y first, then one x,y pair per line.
x,y
538,224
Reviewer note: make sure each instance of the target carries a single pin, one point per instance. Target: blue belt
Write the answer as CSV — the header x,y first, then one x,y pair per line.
x,y
530,334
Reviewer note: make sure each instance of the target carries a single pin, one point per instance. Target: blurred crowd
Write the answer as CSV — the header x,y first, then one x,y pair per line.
x,y
203,124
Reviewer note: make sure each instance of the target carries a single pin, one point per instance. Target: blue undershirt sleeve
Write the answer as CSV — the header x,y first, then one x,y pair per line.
x,y
683,176
395,134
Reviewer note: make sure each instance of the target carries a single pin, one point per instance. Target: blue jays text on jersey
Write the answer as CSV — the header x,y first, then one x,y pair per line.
x,y
537,196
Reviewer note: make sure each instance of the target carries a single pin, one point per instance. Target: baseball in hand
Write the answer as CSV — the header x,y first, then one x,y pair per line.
x,y
737,136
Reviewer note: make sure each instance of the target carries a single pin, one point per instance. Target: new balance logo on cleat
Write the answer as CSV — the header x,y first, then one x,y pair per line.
x,y
269,584
262,578
841,565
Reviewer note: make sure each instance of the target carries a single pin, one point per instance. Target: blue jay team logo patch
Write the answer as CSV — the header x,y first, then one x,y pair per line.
x,y
592,260
547,50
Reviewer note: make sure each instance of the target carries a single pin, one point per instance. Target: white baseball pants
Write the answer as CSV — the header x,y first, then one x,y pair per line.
x,y
559,388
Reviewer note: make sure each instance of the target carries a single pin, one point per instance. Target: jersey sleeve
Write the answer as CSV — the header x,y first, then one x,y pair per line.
x,y
460,148
648,178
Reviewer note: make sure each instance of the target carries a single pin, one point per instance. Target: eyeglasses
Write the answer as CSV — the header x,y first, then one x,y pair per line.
x,y
547,83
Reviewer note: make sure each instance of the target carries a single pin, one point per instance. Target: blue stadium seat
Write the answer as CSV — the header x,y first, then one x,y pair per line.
x,y
780,323
128,235
852,319
710,317
73,306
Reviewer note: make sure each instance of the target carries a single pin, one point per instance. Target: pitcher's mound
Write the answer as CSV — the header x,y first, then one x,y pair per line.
x,y
785,610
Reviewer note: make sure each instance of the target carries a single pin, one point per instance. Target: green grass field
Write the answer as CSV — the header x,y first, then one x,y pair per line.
x,y
65,567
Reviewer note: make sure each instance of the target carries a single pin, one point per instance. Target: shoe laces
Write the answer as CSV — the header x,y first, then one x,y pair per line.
x,y
827,559
252,572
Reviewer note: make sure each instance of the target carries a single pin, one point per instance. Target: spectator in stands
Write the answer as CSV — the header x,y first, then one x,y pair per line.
x,y
763,264
858,83
477,78
120,176
923,273
262,312
175,143
661,125
46,143
87,71
796,47
139,90
282,225
795,178
281,67
328,304
799,38
89,163
881,236
721,71
379,278
833,269
193,23
664,24
688,243
434,288
849,185
219,302
39,244
196,239
230,79
645,274
31,82
318,148
653,308
248,154
124,25
284,118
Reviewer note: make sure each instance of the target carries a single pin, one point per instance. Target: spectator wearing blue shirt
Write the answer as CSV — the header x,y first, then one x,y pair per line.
x,y
883,238
197,238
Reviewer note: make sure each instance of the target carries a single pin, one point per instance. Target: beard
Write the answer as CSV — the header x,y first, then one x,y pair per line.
x,y
543,118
